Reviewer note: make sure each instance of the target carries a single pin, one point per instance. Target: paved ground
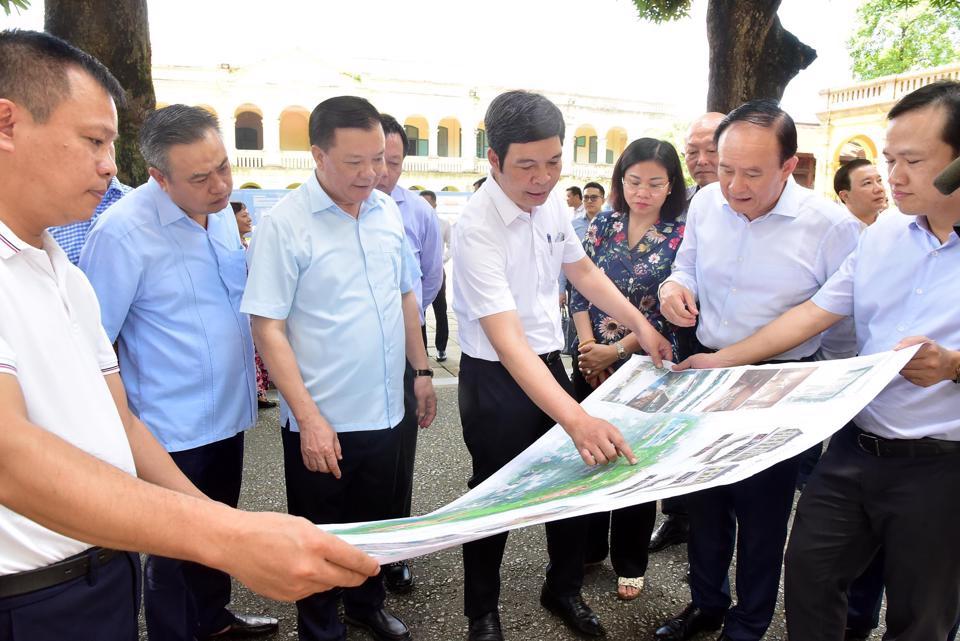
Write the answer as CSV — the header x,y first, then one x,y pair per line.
x,y
433,609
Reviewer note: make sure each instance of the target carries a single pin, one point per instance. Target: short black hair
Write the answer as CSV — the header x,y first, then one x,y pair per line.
x,y
841,179
575,191
391,126
237,206
479,182
594,185
341,112
519,117
173,125
765,113
663,153
427,192
33,71
946,94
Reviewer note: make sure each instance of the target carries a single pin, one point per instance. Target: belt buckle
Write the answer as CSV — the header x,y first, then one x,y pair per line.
x,y
869,443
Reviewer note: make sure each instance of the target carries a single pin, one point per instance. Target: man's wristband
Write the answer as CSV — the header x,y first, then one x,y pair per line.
x,y
423,372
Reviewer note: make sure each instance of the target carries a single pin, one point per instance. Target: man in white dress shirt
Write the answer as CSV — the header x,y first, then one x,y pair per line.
x,y
756,244
512,239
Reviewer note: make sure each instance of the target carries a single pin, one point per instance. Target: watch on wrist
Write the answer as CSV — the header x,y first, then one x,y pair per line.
x,y
621,352
423,372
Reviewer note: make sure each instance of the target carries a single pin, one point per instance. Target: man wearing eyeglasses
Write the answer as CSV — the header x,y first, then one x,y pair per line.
x,y
755,245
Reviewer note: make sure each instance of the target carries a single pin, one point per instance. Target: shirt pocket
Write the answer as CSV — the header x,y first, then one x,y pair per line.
x,y
233,273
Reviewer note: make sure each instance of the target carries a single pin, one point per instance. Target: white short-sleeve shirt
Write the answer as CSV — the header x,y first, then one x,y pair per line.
x,y
52,341
507,259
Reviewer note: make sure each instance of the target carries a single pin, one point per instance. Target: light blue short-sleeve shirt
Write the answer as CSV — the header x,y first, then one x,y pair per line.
x,y
902,281
337,281
169,293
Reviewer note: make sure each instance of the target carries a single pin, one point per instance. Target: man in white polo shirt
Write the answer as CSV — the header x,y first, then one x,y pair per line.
x,y
509,246
70,449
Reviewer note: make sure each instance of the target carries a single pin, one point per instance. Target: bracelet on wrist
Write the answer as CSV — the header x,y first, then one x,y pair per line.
x,y
587,342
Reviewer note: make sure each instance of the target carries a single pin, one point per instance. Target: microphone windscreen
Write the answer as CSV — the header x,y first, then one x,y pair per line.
x,y
949,179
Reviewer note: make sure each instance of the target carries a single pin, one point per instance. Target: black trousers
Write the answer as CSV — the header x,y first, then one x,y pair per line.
x,y
856,503
101,605
500,421
749,516
623,533
440,312
183,599
408,430
364,492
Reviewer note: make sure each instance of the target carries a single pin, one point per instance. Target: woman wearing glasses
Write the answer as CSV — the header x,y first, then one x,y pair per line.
x,y
635,245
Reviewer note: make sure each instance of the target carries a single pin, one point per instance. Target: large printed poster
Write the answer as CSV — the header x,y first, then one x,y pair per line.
x,y
689,430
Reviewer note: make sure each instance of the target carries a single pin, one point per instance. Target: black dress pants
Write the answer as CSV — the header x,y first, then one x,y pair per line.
x,y
440,312
183,599
750,516
364,492
500,421
623,533
408,430
856,502
102,605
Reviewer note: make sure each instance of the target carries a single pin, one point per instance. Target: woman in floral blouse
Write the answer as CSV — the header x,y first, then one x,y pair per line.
x,y
634,245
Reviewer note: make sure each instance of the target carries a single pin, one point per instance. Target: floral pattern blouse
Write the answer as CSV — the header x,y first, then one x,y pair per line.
x,y
637,272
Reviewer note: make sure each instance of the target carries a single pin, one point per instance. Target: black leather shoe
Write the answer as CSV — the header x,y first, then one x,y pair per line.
x,y
382,625
485,628
398,577
672,530
246,626
855,634
574,611
688,623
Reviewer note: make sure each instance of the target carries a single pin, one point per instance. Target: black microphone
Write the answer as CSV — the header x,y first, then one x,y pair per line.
x,y
949,179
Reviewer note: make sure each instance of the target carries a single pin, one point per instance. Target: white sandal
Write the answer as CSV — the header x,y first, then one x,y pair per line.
x,y
629,582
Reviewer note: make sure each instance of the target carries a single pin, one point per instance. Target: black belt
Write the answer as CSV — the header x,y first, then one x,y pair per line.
x,y
551,357
904,448
53,574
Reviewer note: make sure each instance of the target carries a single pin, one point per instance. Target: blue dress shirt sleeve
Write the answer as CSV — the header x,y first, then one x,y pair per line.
x,y
836,295
431,258
114,269
273,270
409,267
684,269
8,360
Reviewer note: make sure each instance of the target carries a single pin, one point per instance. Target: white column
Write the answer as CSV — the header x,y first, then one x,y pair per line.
x,y
271,139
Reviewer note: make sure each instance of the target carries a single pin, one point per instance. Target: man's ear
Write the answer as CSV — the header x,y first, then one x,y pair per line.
x,y
318,156
844,193
157,175
10,115
789,166
494,160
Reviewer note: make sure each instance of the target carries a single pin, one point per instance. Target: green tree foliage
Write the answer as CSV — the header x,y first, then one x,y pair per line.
x,y
895,36
18,5
662,10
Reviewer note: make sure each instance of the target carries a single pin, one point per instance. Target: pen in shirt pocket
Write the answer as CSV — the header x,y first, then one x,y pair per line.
x,y
550,243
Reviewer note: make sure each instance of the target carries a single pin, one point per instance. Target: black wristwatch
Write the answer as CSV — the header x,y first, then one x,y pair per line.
x,y
423,372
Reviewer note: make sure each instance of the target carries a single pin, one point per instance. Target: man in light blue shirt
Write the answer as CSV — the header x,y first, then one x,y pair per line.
x,y
890,478
422,229
756,244
168,269
331,292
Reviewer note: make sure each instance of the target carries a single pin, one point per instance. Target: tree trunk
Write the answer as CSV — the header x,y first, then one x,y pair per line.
x,y
117,33
751,54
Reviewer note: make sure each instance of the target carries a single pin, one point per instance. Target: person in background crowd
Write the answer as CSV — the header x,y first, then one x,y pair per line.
x,y
509,245
77,467
754,227
634,245
423,235
890,479
859,186
575,201
331,293
167,265
245,226
440,302
72,237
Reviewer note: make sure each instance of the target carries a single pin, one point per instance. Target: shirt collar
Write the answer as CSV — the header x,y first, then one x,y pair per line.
x,y
10,243
399,194
167,211
788,205
320,201
506,208
922,224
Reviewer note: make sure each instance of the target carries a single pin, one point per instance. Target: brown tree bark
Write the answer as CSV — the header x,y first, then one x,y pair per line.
x,y
751,54
116,32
